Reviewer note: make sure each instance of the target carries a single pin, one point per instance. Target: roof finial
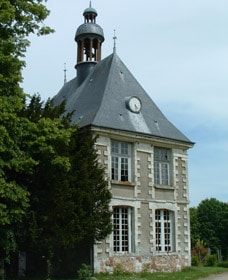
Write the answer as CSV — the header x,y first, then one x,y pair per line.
x,y
114,38
90,4
65,70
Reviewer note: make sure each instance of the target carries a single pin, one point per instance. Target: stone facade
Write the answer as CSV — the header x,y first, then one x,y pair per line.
x,y
143,196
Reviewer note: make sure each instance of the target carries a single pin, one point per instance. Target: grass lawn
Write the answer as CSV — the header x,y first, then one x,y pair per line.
x,y
187,274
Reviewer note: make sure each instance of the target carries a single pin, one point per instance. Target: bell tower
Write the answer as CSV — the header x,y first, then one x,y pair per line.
x,y
89,38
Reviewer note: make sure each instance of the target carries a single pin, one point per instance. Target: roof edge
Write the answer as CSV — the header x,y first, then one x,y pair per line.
x,y
139,135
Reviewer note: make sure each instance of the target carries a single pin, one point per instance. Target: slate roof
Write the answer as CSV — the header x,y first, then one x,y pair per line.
x,y
100,101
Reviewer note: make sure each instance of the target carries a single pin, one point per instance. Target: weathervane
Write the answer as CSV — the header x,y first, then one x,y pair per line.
x,y
114,38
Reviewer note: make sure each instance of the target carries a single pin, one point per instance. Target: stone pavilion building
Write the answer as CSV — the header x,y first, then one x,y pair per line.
x,y
145,157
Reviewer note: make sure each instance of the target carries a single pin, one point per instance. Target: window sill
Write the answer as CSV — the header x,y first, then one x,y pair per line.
x,y
164,253
164,187
119,254
123,183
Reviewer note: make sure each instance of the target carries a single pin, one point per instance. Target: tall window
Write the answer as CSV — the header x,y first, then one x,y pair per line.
x,y
161,166
122,229
164,230
121,153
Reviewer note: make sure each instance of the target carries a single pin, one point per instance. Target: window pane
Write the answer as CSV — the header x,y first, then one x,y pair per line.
x,y
120,161
164,174
166,214
163,230
156,154
161,166
114,168
156,173
121,230
124,169
164,154
124,148
114,145
161,154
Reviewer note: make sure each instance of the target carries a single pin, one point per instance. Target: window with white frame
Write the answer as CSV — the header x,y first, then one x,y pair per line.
x,y
164,230
122,229
162,166
121,161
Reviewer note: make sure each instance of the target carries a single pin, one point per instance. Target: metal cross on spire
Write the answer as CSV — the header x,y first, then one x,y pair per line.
x,y
114,38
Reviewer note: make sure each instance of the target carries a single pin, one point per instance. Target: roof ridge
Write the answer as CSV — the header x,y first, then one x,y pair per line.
x,y
109,57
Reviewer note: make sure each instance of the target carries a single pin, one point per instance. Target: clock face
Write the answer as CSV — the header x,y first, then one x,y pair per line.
x,y
134,104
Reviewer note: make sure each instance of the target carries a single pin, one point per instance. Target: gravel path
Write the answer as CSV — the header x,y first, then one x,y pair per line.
x,y
222,276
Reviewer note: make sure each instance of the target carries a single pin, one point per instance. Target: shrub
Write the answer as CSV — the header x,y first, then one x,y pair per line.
x,y
200,250
223,264
187,269
84,273
211,260
195,261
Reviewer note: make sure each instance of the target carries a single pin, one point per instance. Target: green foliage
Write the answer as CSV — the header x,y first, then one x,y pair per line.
x,y
209,217
200,251
48,143
223,264
195,261
187,269
211,260
49,174
69,198
30,143
18,19
14,198
21,18
84,273
91,189
209,222
195,226
190,273
14,201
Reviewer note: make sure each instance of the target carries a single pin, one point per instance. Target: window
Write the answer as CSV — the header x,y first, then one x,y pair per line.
x,y
164,230
122,229
161,166
121,152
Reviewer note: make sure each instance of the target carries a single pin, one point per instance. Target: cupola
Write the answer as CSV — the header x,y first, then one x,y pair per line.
x,y
89,37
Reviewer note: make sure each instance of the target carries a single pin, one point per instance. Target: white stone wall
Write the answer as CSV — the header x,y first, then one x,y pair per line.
x,y
144,197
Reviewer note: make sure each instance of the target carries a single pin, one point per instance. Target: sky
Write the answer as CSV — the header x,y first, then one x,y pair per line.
x,y
176,49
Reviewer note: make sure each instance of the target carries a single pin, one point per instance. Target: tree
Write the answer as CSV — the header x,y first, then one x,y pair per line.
x,y
17,20
13,197
195,227
92,191
212,217
37,160
69,198
224,238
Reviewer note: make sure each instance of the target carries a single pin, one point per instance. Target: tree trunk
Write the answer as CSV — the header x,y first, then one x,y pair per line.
x,y
2,268
49,263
